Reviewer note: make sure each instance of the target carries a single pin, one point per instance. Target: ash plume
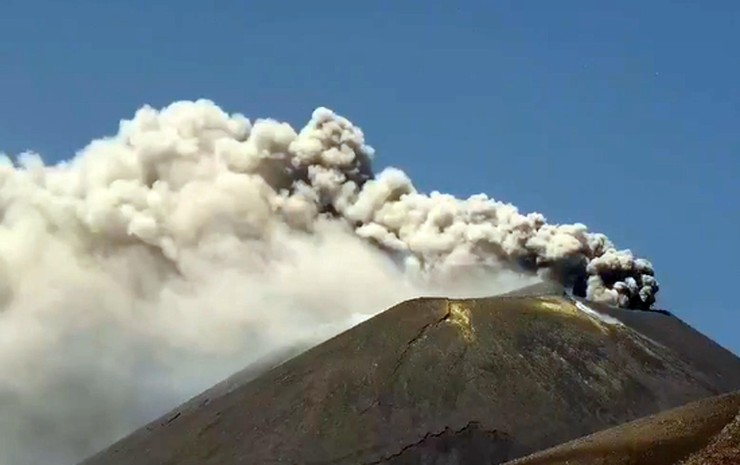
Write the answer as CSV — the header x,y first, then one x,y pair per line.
x,y
159,260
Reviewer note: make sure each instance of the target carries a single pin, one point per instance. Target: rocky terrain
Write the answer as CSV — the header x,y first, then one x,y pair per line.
x,y
469,381
705,432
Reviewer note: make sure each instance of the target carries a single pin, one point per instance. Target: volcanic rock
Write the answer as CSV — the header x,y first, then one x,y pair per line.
x,y
444,381
705,432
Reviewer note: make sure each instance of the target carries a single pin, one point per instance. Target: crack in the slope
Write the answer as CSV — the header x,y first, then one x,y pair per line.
x,y
449,315
374,403
446,431
416,339
404,353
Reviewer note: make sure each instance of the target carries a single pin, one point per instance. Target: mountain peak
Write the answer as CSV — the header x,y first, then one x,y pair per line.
x,y
506,376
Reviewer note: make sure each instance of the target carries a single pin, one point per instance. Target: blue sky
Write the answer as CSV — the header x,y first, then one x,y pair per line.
x,y
625,117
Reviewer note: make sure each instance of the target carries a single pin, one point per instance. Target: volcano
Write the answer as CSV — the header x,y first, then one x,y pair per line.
x,y
444,381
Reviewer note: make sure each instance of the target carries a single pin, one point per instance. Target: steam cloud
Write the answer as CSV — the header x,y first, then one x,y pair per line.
x,y
194,242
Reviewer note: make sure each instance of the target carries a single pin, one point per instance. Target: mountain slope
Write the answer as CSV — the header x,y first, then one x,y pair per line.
x,y
445,381
705,432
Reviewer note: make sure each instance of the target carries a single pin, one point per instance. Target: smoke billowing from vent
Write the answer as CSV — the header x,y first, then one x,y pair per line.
x,y
193,242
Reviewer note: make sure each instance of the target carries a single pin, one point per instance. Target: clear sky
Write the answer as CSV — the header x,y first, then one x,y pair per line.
x,y
625,118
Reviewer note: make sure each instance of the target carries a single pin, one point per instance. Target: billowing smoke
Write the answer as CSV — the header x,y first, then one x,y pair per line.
x,y
194,242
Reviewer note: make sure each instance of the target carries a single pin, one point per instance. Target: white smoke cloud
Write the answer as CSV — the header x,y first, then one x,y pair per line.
x,y
193,242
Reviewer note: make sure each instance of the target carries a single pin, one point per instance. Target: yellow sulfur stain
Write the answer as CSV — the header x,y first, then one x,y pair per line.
x,y
558,305
458,314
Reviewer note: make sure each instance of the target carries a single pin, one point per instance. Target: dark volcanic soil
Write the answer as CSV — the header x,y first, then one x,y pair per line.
x,y
438,381
706,432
